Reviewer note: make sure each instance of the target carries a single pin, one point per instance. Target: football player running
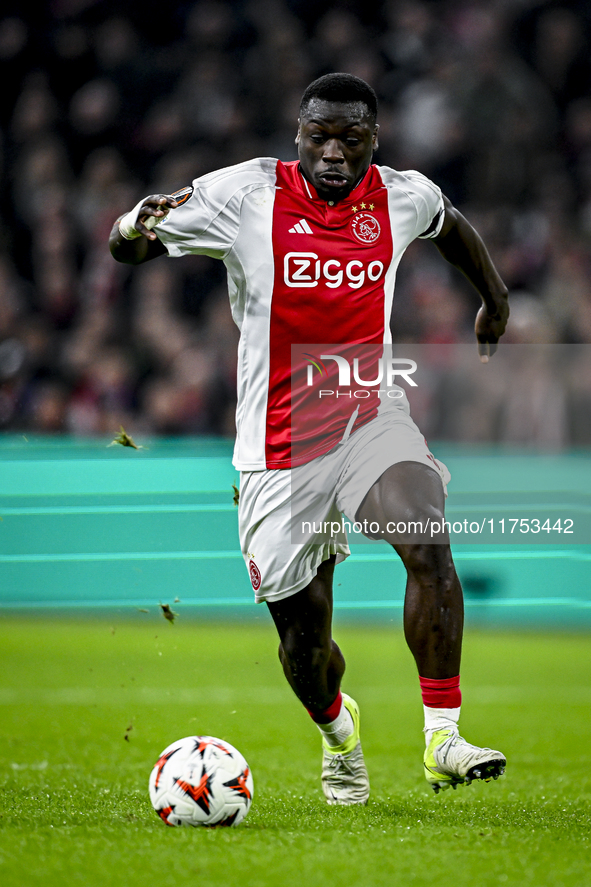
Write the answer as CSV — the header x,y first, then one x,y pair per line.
x,y
311,245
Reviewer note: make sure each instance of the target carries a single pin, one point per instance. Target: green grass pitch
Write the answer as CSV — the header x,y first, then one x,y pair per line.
x,y
75,808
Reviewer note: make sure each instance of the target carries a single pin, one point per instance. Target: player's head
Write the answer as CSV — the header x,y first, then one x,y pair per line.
x,y
337,133
345,89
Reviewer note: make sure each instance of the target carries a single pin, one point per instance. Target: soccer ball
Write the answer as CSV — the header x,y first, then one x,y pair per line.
x,y
201,780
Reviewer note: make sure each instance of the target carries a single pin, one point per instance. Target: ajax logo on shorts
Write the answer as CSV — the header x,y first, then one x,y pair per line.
x,y
366,228
255,575
307,270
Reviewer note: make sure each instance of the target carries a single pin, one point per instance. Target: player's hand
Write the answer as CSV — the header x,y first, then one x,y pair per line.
x,y
154,207
490,327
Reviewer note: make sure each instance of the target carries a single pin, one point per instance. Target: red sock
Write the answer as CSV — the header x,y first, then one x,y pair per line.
x,y
441,693
330,713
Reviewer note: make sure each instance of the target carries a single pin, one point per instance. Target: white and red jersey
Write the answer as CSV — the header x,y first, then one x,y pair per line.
x,y
300,270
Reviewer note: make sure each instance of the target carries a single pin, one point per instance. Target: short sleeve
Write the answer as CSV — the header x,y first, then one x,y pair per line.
x,y
416,203
435,226
207,221
428,202
200,224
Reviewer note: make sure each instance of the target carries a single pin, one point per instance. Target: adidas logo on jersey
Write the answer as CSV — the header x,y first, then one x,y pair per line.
x,y
301,227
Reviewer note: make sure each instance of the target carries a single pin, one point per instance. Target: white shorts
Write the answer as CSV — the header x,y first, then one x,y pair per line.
x,y
276,503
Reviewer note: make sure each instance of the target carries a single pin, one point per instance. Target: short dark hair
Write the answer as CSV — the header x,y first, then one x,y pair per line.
x,y
341,88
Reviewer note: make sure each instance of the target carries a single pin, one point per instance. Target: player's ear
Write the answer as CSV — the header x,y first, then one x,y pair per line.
x,y
374,139
297,138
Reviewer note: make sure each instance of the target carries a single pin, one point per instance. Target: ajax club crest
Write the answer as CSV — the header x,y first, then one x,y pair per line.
x,y
365,227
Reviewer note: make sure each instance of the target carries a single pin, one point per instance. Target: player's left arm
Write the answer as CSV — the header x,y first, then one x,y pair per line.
x,y
462,246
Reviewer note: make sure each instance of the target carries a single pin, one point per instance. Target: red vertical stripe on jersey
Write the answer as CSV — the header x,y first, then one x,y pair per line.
x,y
328,288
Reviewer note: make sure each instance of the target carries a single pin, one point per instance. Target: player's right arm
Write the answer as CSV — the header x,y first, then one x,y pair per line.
x,y
461,245
132,242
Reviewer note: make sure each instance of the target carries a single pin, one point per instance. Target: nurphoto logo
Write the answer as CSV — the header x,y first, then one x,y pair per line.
x,y
387,370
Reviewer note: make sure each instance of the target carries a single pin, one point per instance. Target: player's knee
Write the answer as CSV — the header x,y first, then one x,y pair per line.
x,y
427,563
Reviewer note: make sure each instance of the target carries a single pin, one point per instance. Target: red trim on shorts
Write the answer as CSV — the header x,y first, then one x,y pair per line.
x,y
444,693
332,712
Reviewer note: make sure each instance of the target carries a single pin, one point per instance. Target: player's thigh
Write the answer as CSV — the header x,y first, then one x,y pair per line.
x,y
306,617
404,491
392,480
405,506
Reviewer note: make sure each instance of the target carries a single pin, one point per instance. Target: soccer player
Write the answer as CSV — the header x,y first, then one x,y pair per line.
x,y
313,245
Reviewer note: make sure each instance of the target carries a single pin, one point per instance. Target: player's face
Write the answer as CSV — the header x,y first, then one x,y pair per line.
x,y
335,144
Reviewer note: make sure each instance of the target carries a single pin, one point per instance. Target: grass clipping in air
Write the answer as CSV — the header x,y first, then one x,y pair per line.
x,y
125,440
168,614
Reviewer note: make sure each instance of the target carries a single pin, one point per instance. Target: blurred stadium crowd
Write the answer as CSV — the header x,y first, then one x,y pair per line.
x,y
104,102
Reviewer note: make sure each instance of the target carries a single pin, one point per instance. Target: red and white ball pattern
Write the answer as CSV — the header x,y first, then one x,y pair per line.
x,y
201,780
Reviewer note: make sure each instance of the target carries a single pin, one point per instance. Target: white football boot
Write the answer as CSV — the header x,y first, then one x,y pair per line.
x,y
450,760
344,774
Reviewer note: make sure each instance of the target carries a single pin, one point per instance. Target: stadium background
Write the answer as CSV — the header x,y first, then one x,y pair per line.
x,y
104,102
